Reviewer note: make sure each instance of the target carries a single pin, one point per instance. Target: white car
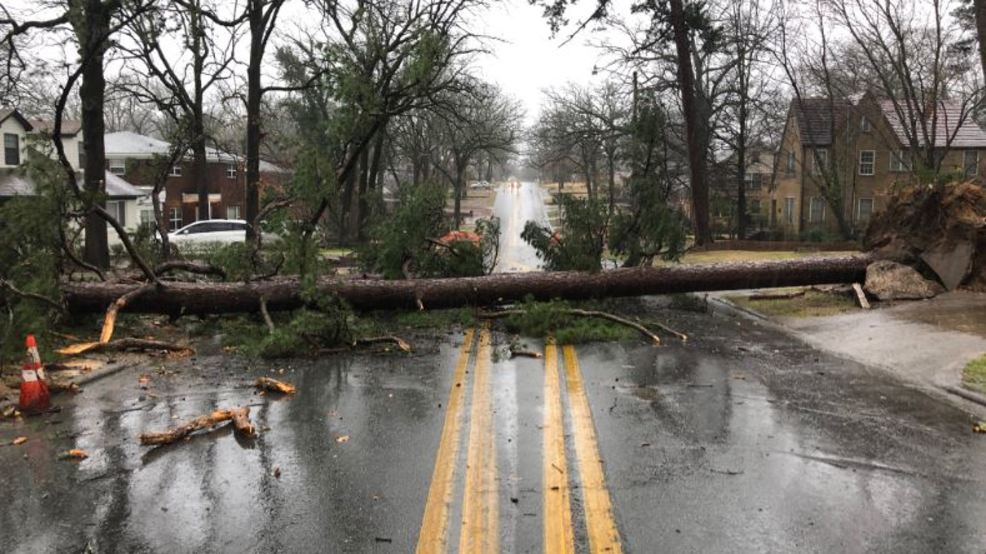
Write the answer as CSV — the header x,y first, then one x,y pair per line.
x,y
209,231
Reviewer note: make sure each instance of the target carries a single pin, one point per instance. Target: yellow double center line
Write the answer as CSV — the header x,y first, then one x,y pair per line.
x,y
480,512
558,535
479,531
599,522
434,527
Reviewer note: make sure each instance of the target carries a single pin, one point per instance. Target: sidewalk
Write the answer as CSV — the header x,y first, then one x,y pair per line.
x,y
925,343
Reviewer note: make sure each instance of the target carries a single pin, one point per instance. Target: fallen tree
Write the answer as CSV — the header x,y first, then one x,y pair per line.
x,y
179,298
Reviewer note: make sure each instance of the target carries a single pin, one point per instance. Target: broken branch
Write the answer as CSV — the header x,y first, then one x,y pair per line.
x,y
273,385
401,344
124,344
266,314
109,322
583,313
239,416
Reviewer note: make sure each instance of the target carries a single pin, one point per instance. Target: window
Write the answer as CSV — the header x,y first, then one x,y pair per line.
x,y
819,160
118,209
753,181
900,161
175,171
816,210
82,155
867,161
11,149
118,167
789,210
864,209
174,219
791,161
147,217
231,171
232,212
970,162
864,125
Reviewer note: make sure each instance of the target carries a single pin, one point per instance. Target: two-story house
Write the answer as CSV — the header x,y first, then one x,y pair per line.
x,y
137,157
849,154
23,138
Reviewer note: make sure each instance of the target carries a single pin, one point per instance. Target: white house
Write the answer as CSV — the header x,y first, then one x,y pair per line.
x,y
21,138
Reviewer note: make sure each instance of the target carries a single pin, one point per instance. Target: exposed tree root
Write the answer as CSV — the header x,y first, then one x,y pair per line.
x,y
273,385
239,416
583,313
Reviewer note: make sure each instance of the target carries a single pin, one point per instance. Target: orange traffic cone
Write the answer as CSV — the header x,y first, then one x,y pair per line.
x,y
34,392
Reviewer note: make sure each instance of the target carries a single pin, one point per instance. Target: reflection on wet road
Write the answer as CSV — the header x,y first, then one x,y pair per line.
x,y
737,441
516,204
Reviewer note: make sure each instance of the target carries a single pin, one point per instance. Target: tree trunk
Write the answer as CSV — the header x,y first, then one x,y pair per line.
x,y
374,184
92,92
362,204
368,294
198,114
696,150
459,185
255,9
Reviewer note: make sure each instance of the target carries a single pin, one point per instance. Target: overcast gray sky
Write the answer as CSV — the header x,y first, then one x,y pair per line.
x,y
527,59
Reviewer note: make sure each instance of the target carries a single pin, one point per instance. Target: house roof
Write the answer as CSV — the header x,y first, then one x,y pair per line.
x,y
125,144
12,112
953,123
817,117
70,127
17,184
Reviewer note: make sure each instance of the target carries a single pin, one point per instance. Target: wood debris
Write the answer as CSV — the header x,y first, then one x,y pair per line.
x,y
18,441
273,385
74,454
239,416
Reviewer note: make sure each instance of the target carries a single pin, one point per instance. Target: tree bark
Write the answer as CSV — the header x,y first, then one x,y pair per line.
x,y
368,294
696,150
93,39
980,8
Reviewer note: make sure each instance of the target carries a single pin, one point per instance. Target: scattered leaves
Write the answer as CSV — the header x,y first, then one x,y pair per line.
x,y
979,427
18,440
341,439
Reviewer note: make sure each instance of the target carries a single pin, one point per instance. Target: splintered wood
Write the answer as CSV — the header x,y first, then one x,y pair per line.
x,y
273,385
239,416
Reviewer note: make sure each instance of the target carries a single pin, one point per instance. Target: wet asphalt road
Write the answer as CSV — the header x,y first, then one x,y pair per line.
x,y
739,440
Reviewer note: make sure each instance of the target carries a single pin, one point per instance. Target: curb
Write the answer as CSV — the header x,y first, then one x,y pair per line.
x,y
954,395
966,394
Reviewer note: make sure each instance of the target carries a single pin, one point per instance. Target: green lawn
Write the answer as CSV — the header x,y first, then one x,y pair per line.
x,y
812,304
974,374
723,256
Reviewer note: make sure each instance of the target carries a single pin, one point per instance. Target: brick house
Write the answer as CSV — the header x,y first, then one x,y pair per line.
x,y
757,179
858,144
134,156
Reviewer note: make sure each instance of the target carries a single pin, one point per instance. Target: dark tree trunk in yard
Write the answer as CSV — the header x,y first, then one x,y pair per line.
x,y
373,184
198,115
362,205
260,16
693,132
369,294
92,94
459,185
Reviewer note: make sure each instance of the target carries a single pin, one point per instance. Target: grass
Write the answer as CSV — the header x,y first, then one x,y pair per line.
x,y
724,256
974,374
812,304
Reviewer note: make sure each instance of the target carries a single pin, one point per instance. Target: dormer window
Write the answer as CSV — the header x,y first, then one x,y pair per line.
x,y
118,167
11,149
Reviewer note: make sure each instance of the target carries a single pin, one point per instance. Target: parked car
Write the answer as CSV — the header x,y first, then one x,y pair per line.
x,y
212,231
